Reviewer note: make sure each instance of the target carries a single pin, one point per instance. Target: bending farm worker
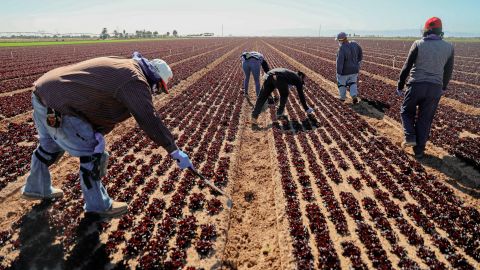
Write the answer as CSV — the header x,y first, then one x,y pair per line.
x,y
349,58
280,78
430,65
75,106
251,62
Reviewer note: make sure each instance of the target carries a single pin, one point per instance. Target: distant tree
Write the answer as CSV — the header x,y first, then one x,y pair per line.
x,y
175,33
115,33
104,34
155,34
120,35
168,34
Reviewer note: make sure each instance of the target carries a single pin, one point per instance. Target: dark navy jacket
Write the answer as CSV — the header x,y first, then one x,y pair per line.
x,y
348,57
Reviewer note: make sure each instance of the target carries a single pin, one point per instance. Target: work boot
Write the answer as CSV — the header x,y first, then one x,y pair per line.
x,y
117,209
419,155
341,99
408,143
56,193
355,100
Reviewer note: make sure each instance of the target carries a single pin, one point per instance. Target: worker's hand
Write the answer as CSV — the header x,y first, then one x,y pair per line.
x,y
309,110
400,93
265,76
182,159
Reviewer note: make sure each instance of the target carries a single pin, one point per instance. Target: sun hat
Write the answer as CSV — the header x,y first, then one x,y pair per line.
x,y
162,69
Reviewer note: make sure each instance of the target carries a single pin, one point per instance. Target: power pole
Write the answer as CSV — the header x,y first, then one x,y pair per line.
x,y
319,30
222,29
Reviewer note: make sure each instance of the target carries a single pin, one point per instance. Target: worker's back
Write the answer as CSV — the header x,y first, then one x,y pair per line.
x,y
429,65
88,89
350,54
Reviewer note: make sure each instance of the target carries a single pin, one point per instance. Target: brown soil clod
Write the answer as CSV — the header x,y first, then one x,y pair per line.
x,y
249,196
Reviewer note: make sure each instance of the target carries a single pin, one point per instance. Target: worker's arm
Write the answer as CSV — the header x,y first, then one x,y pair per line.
x,y
447,71
136,97
301,95
360,53
411,58
265,66
340,59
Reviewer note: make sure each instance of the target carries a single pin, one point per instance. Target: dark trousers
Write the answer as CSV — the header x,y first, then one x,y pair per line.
x,y
421,98
268,86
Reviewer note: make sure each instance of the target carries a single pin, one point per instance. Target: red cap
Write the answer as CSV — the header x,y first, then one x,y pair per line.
x,y
433,23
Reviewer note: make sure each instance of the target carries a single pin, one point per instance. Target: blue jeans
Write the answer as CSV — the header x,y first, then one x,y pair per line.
x,y
75,136
252,65
344,81
422,98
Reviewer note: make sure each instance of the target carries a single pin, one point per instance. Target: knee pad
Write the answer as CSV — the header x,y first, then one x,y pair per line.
x,y
99,170
53,157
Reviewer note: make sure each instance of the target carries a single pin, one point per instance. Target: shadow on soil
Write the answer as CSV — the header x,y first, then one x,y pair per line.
x,y
40,250
456,172
224,265
364,108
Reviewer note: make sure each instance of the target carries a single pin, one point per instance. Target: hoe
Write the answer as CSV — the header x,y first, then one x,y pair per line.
x,y
229,199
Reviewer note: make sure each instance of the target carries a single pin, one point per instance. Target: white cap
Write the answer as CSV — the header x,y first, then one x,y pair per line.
x,y
162,69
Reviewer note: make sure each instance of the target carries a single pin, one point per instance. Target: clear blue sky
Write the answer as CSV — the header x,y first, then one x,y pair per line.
x,y
242,17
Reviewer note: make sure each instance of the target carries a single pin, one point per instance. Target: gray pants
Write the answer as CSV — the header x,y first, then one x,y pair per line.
x,y
421,98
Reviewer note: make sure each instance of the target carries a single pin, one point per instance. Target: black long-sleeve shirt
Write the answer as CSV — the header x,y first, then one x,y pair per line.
x,y
289,77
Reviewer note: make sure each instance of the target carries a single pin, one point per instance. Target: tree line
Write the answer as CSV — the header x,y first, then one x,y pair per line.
x,y
138,34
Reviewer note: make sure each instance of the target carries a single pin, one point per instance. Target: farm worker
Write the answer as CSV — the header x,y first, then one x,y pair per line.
x,y
349,58
429,64
280,78
75,106
251,62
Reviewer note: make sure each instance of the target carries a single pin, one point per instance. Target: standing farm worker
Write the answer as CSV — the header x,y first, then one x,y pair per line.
x,y
75,106
429,64
280,78
251,62
349,58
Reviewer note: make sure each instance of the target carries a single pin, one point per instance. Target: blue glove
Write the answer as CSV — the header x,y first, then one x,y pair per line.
x,y
182,159
309,110
400,93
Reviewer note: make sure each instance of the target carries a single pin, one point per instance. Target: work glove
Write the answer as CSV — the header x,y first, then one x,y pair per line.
x,y
182,159
400,93
309,110
265,76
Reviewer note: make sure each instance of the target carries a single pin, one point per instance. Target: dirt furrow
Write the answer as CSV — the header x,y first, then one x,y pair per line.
x,y
252,241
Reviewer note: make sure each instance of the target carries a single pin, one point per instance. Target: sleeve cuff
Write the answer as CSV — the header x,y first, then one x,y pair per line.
x,y
170,148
